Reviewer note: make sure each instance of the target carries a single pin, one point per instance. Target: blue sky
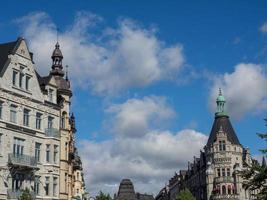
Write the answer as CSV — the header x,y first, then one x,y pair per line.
x,y
206,45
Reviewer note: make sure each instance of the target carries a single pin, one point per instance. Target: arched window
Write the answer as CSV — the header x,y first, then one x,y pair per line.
x,y
223,189
229,189
63,120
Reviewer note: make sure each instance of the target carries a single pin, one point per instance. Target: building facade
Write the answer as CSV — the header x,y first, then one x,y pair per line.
x,y
36,132
215,174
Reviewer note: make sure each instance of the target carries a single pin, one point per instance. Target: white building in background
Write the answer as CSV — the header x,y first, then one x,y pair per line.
x,y
36,134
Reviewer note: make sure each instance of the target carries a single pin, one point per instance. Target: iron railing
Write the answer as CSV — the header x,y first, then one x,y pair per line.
x,y
24,160
52,132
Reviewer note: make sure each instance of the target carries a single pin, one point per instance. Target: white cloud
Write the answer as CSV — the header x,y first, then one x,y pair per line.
x,y
135,117
149,159
105,61
245,89
263,27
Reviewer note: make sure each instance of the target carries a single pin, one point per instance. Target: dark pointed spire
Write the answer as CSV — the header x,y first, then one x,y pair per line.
x,y
57,57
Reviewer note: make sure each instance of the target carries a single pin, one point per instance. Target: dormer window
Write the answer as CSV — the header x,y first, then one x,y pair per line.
x,y
51,94
222,145
14,78
21,77
27,82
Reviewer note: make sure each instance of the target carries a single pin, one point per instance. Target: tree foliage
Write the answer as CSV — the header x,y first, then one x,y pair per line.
x,y
185,195
255,175
102,196
26,195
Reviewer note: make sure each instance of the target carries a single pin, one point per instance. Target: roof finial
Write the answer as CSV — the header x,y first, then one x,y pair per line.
x,y
220,91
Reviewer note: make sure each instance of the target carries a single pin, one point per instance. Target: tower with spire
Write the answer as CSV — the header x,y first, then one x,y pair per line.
x,y
57,57
216,173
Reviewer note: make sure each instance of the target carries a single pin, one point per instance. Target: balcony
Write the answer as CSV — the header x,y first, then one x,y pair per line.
x,y
224,179
52,132
22,160
225,197
15,194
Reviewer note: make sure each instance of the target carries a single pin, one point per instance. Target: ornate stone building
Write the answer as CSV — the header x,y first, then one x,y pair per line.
x,y
37,146
215,174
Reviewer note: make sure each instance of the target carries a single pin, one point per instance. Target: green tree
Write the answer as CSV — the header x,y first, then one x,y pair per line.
x,y
256,174
102,196
185,195
26,195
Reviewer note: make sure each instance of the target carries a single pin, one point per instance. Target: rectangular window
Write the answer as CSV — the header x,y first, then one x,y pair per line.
x,y
223,172
37,151
47,186
38,121
218,172
55,186
55,154
26,117
50,122
228,172
1,110
37,185
21,76
66,151
14,78
50,95
13,113
78,176
48,153
27,82
18,146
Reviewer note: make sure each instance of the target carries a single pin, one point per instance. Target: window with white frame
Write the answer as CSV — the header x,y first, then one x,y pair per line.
x,y
37,185
14,78
37,151
13,113
26,117
27,82
48,153
47,182
55,186
21,77
18,146
50,122
51,94
38,123
55,154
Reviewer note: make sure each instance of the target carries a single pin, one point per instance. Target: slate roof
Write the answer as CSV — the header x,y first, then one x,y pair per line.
x,y
5,50
224,122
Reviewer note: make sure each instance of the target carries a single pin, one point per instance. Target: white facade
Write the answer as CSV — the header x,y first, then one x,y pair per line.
x,y
29,130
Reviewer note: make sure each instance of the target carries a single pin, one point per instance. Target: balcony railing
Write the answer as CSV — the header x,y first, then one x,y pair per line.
x,y
15,194
52,132
225,196
23,160
224,179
